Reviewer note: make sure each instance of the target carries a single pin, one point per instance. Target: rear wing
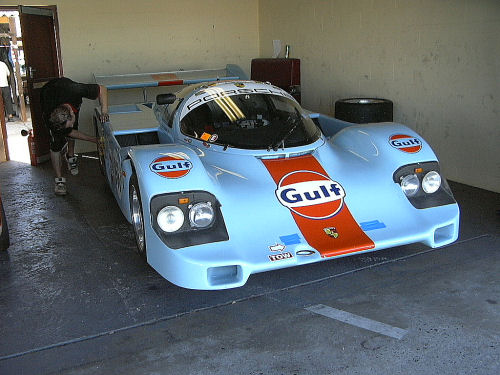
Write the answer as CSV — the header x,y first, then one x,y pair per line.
x,y
178,78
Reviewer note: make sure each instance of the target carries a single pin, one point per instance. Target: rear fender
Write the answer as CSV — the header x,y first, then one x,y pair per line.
x,y
123,199
329,125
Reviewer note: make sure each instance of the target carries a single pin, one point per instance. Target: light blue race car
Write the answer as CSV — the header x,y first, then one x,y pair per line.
x,y
231,177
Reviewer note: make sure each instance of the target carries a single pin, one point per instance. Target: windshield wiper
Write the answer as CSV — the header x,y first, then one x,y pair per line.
x,y
294,121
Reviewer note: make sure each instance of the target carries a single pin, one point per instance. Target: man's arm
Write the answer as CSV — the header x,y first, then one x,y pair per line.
x,y
79,135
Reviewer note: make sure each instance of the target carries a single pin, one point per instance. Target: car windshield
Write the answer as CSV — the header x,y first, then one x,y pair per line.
x,y
251,121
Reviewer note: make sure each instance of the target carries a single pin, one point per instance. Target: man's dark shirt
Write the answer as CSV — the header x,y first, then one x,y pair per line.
x,y
65,91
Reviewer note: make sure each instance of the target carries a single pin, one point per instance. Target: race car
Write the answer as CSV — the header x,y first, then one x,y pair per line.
x,y
229,177
4,229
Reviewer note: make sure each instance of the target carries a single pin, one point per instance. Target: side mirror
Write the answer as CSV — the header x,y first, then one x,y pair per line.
x,y
165,99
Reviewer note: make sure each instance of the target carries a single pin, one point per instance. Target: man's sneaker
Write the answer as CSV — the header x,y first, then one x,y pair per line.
x,y
60,188
72,164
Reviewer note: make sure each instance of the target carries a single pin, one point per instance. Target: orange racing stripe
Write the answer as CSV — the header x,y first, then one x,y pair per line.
x,y
351,237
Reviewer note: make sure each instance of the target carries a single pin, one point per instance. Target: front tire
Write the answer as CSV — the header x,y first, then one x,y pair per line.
x,y
137,216
4,231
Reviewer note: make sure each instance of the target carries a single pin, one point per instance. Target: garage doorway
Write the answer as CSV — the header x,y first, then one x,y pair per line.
x,y
30,48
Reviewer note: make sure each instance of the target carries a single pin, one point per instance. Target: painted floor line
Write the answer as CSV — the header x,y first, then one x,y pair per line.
x,y
358,321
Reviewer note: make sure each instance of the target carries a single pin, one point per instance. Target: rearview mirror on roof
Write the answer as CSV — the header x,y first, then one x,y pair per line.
x,y
165,99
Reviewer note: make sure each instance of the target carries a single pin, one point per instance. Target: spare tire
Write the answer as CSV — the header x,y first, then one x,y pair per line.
x,y
364,110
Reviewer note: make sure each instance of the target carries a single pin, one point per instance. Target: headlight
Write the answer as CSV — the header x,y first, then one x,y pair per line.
x,y
435,190
410,184
431,182
170,218
201,215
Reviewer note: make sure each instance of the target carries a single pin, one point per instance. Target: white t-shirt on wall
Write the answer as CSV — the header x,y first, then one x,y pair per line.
x,y
4,73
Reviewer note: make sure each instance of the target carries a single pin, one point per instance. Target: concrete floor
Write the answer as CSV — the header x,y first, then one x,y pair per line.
x,y
76,299
18,145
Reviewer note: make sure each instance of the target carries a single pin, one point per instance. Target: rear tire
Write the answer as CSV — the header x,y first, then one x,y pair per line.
x,y
137,216
364,110
100,148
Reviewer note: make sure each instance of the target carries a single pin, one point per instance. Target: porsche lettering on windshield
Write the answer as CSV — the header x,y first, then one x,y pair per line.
x,y
216,93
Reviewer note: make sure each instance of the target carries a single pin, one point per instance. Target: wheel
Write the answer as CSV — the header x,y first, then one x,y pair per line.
x,y
4,230
137,216
364,110
100,148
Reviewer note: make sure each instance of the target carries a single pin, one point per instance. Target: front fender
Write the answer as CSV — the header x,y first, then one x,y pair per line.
x,y
166,168
389,144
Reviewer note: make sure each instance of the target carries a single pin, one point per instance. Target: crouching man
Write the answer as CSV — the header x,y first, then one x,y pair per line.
x,y
61,99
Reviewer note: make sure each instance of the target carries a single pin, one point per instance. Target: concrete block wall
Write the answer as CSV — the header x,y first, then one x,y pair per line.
x,y
438,60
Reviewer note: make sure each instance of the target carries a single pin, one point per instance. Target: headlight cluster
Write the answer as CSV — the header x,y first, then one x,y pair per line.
x,y
187,218
411,183
171,218
423,185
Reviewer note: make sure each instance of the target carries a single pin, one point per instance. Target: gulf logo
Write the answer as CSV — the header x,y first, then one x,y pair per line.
x,y
171,166
310,194
405,143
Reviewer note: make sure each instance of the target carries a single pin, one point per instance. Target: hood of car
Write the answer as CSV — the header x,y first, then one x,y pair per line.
x,y
295,197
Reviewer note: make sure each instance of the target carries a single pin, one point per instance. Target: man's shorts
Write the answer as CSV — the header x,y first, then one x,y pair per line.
x,y
59,140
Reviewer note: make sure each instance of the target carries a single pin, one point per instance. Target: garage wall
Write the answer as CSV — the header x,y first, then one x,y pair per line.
x,y
129,36
439,61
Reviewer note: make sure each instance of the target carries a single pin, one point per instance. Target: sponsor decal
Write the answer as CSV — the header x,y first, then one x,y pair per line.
x,y
305,253
310,194
205,137
372,225
332,232
171,166
316,202
406,143
291,239
277,247
213,138
214,93
282,256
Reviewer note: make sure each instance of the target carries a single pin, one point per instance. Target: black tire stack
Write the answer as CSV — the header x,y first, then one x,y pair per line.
x,y
364,110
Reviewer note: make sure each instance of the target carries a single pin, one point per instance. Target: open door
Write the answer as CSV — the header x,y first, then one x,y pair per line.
x,y
40,35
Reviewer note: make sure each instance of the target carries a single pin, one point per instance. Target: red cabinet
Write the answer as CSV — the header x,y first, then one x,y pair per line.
x,y
284,73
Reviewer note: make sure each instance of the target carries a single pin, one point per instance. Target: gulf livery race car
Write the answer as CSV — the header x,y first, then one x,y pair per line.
x,y
231,177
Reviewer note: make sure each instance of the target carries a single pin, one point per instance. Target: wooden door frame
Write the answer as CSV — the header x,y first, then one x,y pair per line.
x,y
56,27
20,86
38,16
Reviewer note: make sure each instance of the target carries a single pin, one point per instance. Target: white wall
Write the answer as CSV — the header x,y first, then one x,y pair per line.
x,y
438,60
